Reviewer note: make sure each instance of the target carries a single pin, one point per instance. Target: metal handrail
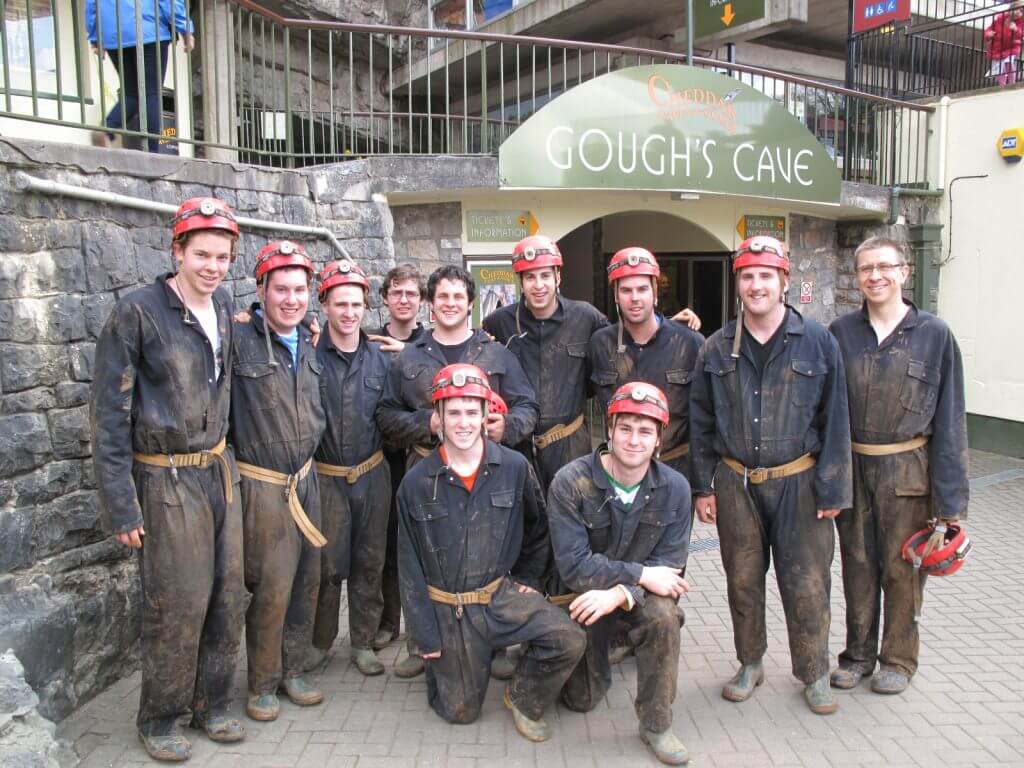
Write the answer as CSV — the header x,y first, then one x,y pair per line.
x,y
284,91
554,42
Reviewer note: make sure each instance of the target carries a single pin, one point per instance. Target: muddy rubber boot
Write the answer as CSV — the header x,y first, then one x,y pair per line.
x,y
171,747
300,692
384,638
502,667
666,746
314,658
889,682
532,730
220,728
263,707
846,678
820,698
366,661
410,666
741,686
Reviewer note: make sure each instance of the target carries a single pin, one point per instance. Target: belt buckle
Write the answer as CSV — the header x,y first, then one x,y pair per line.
x,y
458,606
206,458
757,474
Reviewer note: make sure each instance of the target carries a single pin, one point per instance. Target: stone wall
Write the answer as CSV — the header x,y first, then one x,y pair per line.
x,y
822,253
68,594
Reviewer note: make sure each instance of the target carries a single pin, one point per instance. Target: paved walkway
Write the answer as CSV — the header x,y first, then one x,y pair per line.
x,y
965,707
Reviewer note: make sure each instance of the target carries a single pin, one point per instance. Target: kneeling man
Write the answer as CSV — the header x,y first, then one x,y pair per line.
x,y
620,526
472,548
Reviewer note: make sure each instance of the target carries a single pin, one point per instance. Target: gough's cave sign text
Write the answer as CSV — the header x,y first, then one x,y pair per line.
x,y
669,127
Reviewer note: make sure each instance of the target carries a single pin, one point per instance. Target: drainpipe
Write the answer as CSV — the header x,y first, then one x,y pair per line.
x,y
23,182
896,192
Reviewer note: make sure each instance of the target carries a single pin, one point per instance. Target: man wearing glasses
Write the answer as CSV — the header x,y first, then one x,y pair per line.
x,y
770,431
906,390
402,291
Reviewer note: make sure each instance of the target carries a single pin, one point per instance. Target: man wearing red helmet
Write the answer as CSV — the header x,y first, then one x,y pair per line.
x,y
643,346
549,334
771,465
167,483
620,528
355,484
905,381
405,414
277,420
473,547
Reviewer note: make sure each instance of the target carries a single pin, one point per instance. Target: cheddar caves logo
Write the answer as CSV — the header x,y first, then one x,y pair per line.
x,y
675,104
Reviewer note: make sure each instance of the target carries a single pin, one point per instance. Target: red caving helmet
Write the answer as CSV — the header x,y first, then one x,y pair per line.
x,y
633,261
281,253
761,251
342,272
198,213
535,252
641,399
945,559
496,404
460,380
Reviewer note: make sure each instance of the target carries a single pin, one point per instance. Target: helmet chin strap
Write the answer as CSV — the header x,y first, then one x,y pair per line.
x,y
739,327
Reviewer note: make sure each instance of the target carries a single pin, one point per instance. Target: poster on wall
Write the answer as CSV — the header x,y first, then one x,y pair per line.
x,y
496,286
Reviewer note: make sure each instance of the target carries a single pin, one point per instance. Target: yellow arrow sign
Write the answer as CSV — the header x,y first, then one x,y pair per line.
x,y
529,221
728,16
741,227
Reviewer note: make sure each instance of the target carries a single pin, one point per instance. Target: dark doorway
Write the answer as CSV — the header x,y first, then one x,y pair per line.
x,y
701,281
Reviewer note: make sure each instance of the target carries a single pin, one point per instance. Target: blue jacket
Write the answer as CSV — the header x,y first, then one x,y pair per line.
x,y
107,22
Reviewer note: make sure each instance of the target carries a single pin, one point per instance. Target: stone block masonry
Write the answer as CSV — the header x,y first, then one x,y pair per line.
x,y
68,593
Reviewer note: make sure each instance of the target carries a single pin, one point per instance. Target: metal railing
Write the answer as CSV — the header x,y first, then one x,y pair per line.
x,y
951,47
282,91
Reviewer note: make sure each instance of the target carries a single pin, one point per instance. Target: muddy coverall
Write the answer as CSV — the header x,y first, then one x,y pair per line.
x,y
600,543
798,406
910,385
354,510
155,392
277,420
667,361
457,541
404,413
553,354
391,614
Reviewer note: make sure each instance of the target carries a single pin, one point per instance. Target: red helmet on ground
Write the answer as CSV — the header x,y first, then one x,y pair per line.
x,y
460,380
281,253
496,404
198,213
641,399
535,252
761,251
342,272
632,261
946,558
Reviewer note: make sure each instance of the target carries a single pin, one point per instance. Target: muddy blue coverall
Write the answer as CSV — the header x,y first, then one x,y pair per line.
x,y
277,420
156,391
553,354
600,543
797,405
457,541
909,385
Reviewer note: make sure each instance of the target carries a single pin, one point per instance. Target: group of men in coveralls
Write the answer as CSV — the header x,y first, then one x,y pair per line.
x,y
448,474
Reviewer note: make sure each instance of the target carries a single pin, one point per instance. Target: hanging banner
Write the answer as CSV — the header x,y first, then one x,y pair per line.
x,y
669,127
